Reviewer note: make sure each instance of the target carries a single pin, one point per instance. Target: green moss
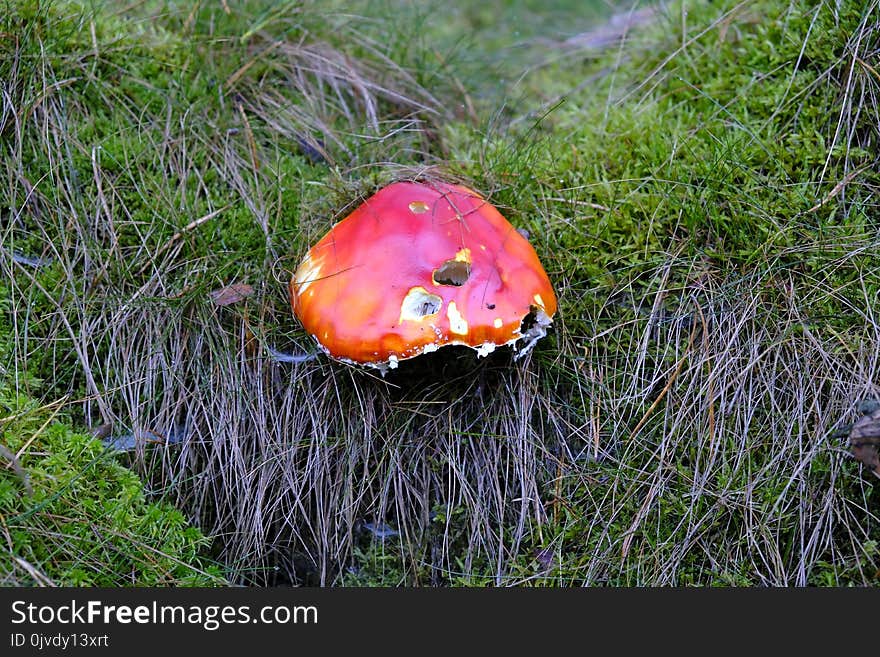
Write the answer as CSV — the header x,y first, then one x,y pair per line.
x,y
70,513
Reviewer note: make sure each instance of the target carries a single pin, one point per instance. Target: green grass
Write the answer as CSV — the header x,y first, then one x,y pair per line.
x,y
702,195
73,516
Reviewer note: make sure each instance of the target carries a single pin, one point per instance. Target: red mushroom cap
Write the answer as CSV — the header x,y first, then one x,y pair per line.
x,y
417,267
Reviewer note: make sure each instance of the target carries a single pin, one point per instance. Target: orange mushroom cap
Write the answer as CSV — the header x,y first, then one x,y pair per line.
x,y
417,267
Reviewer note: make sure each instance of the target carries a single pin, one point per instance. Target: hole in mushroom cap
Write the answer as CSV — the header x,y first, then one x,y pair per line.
x,y
452,272
529,321
418,207
418,304
533,327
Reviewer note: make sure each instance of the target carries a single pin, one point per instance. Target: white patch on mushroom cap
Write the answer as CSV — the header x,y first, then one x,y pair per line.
x,y
485,349
418,304
308,272
457,323
463,255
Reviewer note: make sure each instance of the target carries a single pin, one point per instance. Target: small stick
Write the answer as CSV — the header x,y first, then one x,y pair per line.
x,y
587,204
190,226
250,137
666,388
837,188
15,464
232,79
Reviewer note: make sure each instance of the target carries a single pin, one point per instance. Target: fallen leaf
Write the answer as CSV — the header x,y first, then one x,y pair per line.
x,y
313,149
31,261
545,558
102,431
380,530
130,441
864,440
226,296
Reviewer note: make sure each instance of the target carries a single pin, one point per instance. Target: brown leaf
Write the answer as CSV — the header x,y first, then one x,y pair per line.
x,y
102,431
230,294
864,440
545,558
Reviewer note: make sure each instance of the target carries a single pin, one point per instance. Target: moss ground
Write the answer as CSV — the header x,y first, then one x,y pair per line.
x,y
703,195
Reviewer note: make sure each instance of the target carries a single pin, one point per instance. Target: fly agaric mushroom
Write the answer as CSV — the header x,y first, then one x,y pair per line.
x,y
417,267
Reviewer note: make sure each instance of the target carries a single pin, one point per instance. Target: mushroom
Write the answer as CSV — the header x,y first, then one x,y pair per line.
x,y
417,267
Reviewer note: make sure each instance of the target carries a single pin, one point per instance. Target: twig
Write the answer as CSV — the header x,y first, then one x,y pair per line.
x,y
188,23
37,433
190,226
15,464
232,79
39,577
252,143
869,67
58,402
586,204
666,388
838,188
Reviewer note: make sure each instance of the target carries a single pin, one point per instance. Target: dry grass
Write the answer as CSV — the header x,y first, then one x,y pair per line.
x,y
719,415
